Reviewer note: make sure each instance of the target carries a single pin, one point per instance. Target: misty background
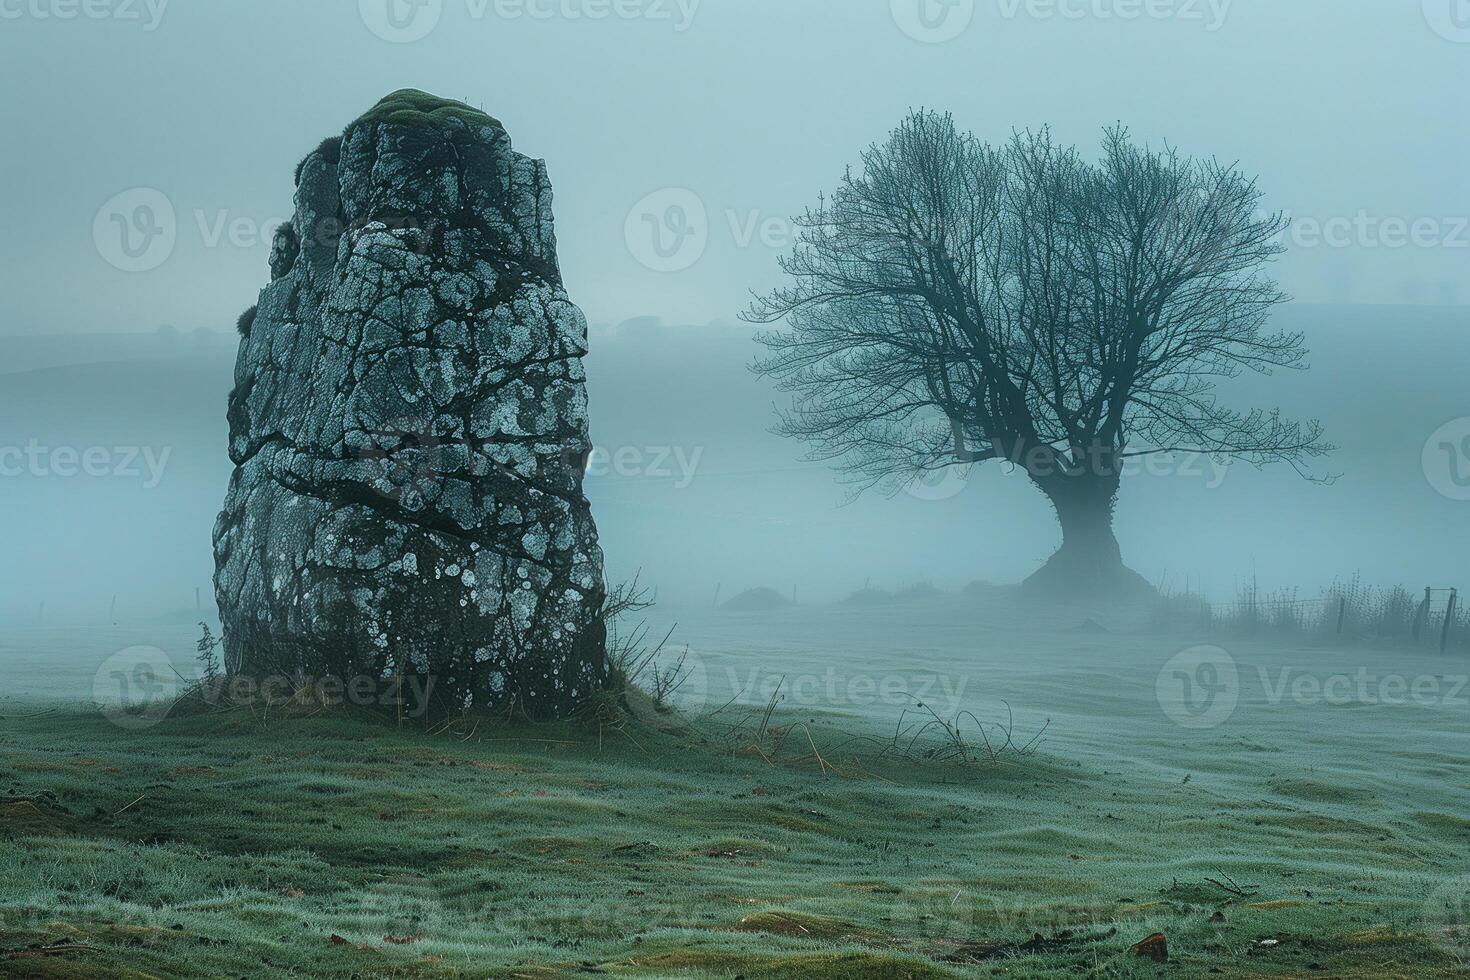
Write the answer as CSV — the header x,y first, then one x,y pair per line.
x,y
679,138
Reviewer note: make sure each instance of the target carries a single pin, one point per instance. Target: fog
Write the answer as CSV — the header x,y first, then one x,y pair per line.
x,y
742,113
690,488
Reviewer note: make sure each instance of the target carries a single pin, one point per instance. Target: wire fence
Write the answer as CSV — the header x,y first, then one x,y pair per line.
x,y
1432,618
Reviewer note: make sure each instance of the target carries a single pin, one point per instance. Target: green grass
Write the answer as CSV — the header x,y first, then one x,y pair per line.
x,y
236,845
412,107
232,844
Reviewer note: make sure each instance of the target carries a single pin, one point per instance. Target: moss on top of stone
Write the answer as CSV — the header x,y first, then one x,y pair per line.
x,y
412,107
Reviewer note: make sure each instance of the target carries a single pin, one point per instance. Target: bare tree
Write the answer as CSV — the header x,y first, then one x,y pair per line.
x,y
954,303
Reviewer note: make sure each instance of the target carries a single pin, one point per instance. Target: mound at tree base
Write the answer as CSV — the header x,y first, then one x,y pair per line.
x,y
1065,576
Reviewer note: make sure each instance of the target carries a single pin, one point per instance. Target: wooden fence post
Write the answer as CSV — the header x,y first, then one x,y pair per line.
x,y
1422,615
1449,619
1341,613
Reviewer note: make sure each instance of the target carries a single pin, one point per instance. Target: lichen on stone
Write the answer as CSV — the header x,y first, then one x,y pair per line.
x,y
406,404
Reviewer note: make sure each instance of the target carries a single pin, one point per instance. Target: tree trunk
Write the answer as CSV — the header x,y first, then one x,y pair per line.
x,y
1089,563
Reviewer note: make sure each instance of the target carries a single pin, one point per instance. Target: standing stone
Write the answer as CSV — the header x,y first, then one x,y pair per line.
x,y
409,429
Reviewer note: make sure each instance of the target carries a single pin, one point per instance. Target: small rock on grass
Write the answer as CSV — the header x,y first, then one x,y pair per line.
x,y
1155,947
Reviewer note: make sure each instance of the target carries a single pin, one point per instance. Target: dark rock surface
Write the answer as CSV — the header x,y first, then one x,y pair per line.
x,y
409,428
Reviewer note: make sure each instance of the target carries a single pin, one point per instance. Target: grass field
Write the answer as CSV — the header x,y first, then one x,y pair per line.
x,y
1300,834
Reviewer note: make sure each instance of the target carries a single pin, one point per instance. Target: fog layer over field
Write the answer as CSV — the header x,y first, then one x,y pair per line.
x,y
689,486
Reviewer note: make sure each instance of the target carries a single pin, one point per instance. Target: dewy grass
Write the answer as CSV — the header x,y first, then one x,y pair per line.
x,y
232,844
240,844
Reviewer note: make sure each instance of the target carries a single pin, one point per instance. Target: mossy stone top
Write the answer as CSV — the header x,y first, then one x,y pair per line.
x,y
412,107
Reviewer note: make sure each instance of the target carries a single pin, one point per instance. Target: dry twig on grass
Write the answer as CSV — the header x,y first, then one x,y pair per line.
x,y
1230,887
934,738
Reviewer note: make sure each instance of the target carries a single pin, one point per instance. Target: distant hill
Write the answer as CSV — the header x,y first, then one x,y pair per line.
x,y
31,352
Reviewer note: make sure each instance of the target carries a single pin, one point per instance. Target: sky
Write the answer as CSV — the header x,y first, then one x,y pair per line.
x,y
682,134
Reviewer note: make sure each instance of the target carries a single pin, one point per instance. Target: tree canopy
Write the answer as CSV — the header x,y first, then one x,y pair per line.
x,y
954,302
